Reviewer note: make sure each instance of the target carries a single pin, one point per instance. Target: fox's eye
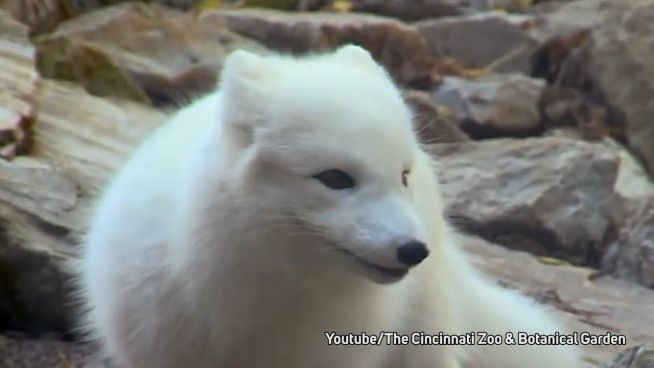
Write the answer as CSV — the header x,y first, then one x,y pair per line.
x,y
335,179
405,178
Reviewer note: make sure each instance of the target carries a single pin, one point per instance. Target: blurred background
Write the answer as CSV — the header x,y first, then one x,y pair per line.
x,y
540,114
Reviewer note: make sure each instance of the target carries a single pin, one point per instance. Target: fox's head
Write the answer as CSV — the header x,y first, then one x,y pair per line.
x,y
325,150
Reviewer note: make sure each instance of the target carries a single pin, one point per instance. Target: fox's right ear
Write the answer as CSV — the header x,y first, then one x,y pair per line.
x,y
242,83
243,67
356,55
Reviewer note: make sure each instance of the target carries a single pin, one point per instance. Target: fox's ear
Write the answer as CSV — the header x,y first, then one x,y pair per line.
x,y
242,83
243,66
356,55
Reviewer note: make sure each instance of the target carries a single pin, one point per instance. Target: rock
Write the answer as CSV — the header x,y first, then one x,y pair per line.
x,y
79,141
467,39
544,7
397,46
585,303
44,15
313,5
633,181
411,11
612,66
548,59
25,353
35,187
38,214
635,357
90,141
144,52
496,106
560,18
179,4
549,196
631,255
620,50
512,6
565,107
18,83
33,283
434,123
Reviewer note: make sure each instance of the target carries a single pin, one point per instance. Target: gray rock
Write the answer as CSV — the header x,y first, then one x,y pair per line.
x,y
26,353
482,40
550,196
635,357
495,106
613,67
621,52
411,11
399,47
631,255
633,183
179,4
558,18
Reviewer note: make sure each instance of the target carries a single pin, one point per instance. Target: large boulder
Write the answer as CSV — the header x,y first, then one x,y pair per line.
x,y
399,47
145,52
550,196
505,105
499,41
612,67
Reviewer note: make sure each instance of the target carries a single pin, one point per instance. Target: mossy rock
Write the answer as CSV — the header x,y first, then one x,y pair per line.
x,y
83,62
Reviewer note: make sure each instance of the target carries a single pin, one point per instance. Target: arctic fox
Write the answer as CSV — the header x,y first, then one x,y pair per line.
x,y
293,205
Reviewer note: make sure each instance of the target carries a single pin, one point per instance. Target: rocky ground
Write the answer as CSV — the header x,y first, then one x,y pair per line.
x,y
540,113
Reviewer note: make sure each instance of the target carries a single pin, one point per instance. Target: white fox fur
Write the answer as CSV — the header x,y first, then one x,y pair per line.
x,y
216,247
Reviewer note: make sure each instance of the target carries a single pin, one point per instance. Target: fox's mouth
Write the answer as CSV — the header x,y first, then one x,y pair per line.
x,y
379,274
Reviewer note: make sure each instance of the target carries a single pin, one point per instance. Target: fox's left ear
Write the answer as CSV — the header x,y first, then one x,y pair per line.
x,y
356,55
243,81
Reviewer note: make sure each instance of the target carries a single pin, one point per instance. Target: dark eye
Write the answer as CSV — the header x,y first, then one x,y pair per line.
x,y
405,178
335,179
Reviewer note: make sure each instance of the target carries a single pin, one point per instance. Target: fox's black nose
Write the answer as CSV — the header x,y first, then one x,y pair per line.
x,y
412,252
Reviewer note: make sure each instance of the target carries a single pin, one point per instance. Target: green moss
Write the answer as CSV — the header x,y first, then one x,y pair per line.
x,y
87,64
